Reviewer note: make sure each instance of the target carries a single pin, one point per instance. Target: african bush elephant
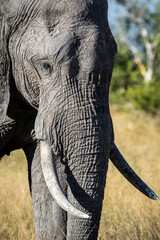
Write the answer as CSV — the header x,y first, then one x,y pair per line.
x,y
56,62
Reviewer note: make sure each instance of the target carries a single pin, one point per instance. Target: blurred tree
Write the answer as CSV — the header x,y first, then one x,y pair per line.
x,y
140,34
156,67
126,73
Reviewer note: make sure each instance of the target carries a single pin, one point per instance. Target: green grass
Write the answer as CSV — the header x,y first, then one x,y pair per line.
x,y
126,215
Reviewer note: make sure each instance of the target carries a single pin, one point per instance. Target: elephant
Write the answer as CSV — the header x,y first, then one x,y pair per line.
x,y
56,63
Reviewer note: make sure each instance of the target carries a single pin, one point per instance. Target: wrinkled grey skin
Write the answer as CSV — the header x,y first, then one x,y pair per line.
x,y
56,61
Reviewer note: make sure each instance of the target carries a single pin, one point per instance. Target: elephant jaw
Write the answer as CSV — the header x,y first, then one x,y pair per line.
x,y
51,179
124,168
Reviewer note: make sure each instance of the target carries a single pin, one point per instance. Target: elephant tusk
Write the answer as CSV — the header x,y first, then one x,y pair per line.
x,y
51,179
121,164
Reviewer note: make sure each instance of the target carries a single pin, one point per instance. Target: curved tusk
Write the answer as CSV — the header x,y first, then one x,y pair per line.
x,y
121,164
51,179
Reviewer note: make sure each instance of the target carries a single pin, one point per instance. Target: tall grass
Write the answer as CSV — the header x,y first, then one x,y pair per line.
x,y
126,215
16,220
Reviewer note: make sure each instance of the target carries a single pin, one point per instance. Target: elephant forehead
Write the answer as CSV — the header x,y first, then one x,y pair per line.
x,y
64,6
35,40
38,41
22,10
78,8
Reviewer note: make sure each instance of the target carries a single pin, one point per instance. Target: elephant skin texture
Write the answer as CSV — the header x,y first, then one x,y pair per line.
x,y
56,62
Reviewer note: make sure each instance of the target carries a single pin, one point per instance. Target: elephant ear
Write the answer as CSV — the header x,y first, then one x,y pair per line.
x,y
4,69
7,124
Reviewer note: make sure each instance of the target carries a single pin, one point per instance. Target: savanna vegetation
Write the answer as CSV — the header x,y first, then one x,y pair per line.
x,y
126,215
136,76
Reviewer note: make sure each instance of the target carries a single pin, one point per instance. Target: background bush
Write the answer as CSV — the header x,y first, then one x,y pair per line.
x,y
136,76
129,88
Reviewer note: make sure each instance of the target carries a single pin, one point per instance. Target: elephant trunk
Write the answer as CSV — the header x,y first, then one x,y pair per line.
x,y
86,192
86,148
86,175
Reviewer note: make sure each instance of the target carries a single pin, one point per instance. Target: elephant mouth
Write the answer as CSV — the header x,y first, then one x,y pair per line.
x,y
53,184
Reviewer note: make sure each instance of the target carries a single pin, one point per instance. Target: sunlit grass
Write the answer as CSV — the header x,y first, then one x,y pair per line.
x,y
127,214
16,220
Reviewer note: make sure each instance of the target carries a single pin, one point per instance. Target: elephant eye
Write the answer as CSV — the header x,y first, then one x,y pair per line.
x,y
47,67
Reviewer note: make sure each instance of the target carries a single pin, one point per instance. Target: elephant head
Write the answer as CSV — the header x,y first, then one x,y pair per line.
x,y
56,62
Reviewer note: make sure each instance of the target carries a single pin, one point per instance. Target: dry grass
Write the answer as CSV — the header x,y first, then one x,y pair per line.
x,y
127,214
16,220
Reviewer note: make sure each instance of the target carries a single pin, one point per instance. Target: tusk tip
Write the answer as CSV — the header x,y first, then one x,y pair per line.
x,y
121,164
149,193
154,196
85,216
